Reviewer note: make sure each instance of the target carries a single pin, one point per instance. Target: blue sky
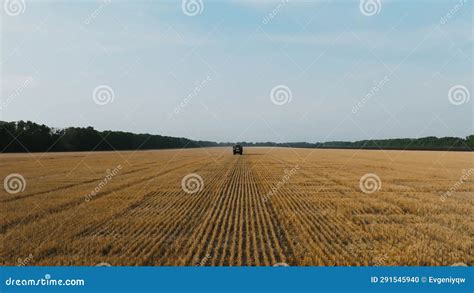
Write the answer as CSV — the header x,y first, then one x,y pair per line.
x,y
209,76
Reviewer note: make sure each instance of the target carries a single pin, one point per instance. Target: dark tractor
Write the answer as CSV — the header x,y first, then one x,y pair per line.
x,y
238,149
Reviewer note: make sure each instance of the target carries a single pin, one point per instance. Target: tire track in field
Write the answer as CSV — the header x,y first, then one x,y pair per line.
x,y
207,238
197,244
225,233
220,243
280,239
212,242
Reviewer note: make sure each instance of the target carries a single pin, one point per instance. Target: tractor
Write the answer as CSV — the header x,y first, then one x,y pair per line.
x,y
238,149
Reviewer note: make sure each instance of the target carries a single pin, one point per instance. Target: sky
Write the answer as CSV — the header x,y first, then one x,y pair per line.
x,y
282,71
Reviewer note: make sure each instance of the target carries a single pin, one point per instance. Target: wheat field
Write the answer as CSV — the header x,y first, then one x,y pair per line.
x,y
207,207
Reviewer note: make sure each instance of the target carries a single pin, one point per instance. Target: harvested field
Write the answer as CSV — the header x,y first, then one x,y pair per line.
x,y
268,206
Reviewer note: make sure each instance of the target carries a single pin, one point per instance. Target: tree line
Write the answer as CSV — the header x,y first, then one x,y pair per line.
x,y
28,136
424,143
